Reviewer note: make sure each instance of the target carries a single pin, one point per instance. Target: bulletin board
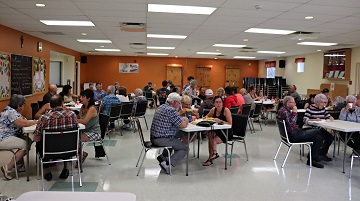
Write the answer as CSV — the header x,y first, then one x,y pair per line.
x,y
203,75
5,79
39,75
232,76
174,73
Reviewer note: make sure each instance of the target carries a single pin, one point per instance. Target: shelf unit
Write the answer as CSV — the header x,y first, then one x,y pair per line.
x,y
337,64
283,89
272,91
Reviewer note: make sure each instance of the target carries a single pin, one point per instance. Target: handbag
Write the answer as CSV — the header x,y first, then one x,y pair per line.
x,y
205,123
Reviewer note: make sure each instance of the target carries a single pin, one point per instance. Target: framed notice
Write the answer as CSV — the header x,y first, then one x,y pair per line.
x,y
39,75
128,68
5,79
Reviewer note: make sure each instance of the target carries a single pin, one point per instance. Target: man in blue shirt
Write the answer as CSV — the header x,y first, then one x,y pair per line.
x,y
99,93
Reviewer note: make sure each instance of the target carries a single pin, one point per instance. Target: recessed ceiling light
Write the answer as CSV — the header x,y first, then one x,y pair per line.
x,y
228,45
317,43
161,8
108,50
309,17
160,48
245,40
212,53
40,5
67,23
243,57
176,56
157,54
93,41
318,50
84,34
102,46
215,58
271,52
269,31
166,36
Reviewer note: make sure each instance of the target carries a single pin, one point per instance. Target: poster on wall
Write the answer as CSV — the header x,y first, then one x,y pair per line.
x,y
128,68
5,79
39,75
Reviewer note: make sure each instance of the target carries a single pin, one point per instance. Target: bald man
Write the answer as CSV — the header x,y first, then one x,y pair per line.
x,y
52,91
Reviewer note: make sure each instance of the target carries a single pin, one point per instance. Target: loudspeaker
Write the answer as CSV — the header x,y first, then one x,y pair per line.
x,y
281,63
83,59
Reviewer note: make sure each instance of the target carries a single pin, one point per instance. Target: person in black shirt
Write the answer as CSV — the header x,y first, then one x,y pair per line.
x,y
52,91
202,93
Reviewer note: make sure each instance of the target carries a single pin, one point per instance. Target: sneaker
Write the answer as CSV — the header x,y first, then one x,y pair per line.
x,y
48,176
324,158
126,126
165,167
64,174
6,172
315,164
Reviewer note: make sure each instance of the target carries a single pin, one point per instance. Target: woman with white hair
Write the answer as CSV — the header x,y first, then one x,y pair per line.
x,y
317,112
351,113
191,89
339,103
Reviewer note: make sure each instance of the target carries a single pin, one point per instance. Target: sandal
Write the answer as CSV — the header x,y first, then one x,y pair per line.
x,y
215,156
6,172
208,162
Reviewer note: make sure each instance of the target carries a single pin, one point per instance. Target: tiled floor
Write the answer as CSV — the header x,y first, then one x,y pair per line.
x,y
260,178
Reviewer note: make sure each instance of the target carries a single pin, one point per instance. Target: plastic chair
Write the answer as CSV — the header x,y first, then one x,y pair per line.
x,y
256,115
235,109
285,140
126,111
34,109
239,123
140,110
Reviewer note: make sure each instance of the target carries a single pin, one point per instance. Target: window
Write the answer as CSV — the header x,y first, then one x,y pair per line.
x,y
270,72
300,67
55,72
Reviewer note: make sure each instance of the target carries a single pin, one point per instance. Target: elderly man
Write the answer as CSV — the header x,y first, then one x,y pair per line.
x,y
58,118
52,91
317,112
109,99
208,103
166,123
351,113
247,97
289,113
294,93
202,95
99,93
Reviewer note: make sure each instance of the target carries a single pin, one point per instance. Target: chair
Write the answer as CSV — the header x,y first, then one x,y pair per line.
x,y
256,115
205,112
334,113
149,97
59,146
140,110
235,109
285,140
126,111
41,103
14,157
246,108
353,155
104,124
147,145
300,119
114,115
239,124
34,109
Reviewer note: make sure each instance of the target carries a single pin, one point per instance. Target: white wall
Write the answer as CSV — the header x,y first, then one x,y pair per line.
x,y
68,66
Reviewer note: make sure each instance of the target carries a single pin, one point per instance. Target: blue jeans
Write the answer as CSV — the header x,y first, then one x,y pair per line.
x,y
309,135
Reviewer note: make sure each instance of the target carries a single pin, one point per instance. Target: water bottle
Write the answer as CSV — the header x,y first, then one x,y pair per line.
x,y
190,118
195,102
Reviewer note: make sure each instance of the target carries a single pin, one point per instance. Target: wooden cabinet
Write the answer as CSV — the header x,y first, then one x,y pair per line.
x,y
337,64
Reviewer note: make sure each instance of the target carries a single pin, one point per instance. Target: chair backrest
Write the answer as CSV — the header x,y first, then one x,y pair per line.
x,y
334,113
239,124
126,109
205,112
60,144
283,131
115,111
300,104
257,110
141,135
104,123
300,119
234,110
41,103
148,95
246,109
140,108
34,109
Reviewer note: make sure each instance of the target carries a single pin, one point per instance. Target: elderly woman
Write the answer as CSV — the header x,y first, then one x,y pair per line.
x,y
317,112
66,93
185,109
253,93
191,89
221,115
339,103
11,121
351,113
221,92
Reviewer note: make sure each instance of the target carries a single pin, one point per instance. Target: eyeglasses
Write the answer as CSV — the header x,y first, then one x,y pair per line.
x,y
218,102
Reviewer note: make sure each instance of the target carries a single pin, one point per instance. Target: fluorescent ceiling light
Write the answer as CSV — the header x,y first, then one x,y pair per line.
x,y
317,43
212,53
228,45
244,57
271,52
93,41
309,17
40,5
108,50
67,23
160,48
334,55
166,36
269,31
161,8
157,54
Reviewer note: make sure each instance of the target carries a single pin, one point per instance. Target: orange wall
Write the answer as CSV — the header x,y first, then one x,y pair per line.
x,y
105,69
10,43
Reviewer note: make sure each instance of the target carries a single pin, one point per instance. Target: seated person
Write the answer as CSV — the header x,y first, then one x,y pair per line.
x,y
11,121
339,103
351,113
221,92
51,92
288,112
163,92
67,95
231,100
99,93
164,126
317,112
240,99
253,93
122,94
247,98
149,88
185,109
191,89
220,114
309,101
325,91
105,107
202,95
51,121
294,93
208,103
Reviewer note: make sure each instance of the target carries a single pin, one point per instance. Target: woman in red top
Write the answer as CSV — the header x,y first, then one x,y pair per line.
x,y
231,100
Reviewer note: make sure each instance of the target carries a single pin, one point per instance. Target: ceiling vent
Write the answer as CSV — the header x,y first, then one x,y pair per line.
x,y
137,45
52,33
133,27
92,51
303,35
247,49
137,53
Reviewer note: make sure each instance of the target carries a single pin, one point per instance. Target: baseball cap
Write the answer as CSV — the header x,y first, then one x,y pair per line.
x,y
149,83
209,92
325,90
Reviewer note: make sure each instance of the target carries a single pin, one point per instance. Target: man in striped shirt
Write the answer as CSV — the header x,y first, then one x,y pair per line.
x,y
317,112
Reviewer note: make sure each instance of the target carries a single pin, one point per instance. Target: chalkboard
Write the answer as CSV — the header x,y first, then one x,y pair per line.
x,y
21,74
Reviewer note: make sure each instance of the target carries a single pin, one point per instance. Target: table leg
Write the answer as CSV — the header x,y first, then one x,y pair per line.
x,y
346,141
226,148
27,157
199,138
187,155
